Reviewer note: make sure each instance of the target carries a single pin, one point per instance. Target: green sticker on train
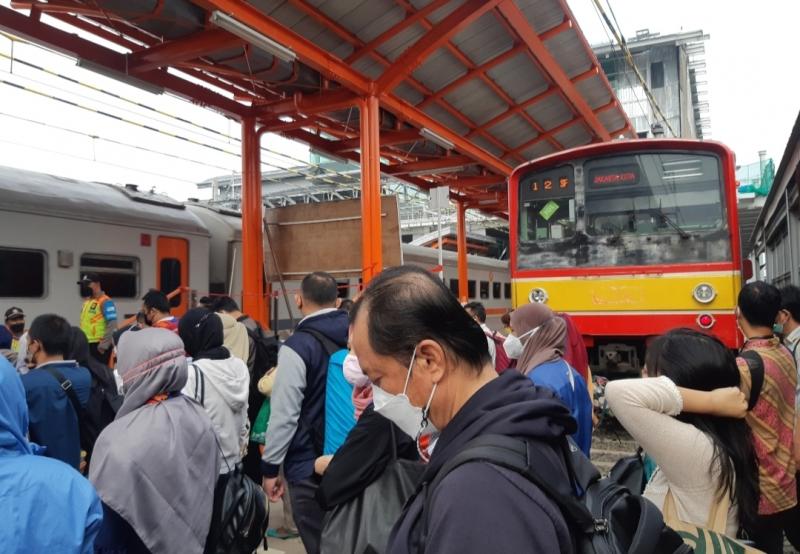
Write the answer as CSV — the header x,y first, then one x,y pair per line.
x,y
549,210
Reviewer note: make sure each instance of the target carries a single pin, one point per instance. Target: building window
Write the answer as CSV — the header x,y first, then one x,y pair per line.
x,y
497,290
170,272
119,275
507,286
22,273
454,286
657,75
471,289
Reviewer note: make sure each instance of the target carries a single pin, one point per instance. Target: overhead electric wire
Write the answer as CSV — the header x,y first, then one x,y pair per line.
x,y
223,137
629,59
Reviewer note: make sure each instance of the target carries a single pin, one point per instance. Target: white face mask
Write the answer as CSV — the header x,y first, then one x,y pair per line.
x,y
513,344
352,371
397,408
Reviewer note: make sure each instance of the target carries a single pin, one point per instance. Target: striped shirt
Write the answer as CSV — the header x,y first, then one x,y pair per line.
x,y
772,424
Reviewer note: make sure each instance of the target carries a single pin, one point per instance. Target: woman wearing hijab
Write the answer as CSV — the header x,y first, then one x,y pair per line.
x,y
218,380
46,505
156,465
220,383
537,342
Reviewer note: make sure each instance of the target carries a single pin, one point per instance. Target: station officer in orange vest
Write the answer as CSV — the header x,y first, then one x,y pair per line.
x,y
98,317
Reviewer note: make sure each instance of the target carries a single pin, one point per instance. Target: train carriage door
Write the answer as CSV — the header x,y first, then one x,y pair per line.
x,y
172,271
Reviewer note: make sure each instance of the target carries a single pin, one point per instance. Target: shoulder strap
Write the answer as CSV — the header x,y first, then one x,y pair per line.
x,y
329,345
519,456
756,365
199,385
67,387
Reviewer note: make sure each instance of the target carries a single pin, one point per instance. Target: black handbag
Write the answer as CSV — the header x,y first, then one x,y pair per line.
x,y
363,525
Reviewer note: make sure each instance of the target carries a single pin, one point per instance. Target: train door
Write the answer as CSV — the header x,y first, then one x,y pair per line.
x,y
172,271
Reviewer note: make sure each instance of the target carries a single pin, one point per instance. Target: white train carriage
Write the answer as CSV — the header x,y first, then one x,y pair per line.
x,y
53,229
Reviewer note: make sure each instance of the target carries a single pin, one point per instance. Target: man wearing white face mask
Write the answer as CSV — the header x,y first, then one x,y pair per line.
x,y
420,347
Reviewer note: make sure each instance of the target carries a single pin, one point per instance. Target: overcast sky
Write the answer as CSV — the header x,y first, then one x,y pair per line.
x,y
754,86
752,80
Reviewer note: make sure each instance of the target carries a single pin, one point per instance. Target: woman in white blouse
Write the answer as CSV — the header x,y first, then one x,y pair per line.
x,y
704,458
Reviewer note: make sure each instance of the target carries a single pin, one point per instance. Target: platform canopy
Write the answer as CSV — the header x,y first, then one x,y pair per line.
x,y
466,89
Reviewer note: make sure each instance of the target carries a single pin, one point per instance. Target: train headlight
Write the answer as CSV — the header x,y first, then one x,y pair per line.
x,y
538,296
704,293
706,321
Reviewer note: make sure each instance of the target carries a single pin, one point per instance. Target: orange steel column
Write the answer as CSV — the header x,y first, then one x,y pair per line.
x,y
252,224
371,241
461,239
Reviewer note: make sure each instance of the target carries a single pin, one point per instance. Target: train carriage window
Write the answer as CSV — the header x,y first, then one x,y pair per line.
x,y
119,275
454,286
497,290
343,289
471,289
507,287
484,290
170,273
22,273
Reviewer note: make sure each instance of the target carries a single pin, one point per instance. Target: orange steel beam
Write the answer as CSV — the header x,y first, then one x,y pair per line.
x,y
252,225
371,238
56,6
396,30
461,238
412,57
472,74
431,165
189,48
333,68
75,46
550,65
323,61
519,108
476,182
553,131
308,104
388,138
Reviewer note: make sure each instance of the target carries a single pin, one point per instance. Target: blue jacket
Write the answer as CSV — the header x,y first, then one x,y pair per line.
x,y
53,421
296,431
555,375
45,505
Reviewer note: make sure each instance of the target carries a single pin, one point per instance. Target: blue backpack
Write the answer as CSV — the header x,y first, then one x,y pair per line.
x,y
339,411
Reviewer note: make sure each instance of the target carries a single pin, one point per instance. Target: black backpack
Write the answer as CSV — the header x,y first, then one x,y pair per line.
x,y
101,407
266,357
605,519
239,516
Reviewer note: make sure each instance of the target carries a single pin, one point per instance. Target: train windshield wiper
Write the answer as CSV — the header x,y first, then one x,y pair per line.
x,y
666,219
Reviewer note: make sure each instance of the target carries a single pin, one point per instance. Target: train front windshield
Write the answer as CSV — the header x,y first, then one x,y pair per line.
x,y
638,209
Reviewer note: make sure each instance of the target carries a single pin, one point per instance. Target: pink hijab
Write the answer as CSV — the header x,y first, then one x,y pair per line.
x,y
547,343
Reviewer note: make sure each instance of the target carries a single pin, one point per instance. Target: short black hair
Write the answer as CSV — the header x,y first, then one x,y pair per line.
x,y
319,288
478,309
759,303
347,305
790,301
407,305
156,300
225,304
53,332
205,302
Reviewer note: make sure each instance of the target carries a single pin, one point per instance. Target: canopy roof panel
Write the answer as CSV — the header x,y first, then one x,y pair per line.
x,y
468,89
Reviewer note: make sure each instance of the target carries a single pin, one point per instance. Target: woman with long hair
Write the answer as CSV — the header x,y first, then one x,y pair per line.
x,y
704,458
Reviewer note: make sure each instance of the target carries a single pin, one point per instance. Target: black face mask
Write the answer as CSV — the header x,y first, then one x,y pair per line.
x,y
86,292
17,328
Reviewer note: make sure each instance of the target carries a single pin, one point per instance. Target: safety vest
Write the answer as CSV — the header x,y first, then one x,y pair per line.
x,y
93,322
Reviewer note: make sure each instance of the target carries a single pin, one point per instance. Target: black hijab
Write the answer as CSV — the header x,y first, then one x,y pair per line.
x,y
201,332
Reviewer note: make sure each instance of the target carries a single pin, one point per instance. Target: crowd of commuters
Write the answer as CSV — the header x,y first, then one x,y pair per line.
x,y
405,374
